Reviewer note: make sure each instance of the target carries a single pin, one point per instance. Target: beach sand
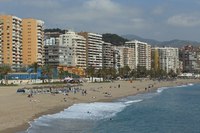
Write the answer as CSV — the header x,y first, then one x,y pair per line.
x,y
16,110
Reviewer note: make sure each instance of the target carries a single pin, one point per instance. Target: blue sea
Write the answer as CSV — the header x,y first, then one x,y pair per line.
x,y
166,110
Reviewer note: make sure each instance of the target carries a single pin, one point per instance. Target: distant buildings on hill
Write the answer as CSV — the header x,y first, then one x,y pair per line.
x,y
23,42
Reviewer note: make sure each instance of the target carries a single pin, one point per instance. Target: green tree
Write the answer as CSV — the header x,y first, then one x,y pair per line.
x,y
124,72
4,70
141,72
172,74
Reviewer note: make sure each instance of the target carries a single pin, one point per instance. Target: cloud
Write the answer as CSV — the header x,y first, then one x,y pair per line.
x,y
184,20
138,23
102,5
41,3
158,10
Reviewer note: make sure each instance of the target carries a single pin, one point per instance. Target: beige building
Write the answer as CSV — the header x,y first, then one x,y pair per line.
x,y
33,41
11,41
93,49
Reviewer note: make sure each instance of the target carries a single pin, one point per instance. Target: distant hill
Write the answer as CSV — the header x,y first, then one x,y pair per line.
x,y
55,30
173,43
114,39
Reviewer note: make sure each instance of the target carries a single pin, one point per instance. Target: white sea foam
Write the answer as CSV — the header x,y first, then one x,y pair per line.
x,y
159,90
93,111
134,101
186,85
85,111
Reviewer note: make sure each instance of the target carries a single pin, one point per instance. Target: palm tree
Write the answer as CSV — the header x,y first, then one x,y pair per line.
x,y
4,70
47,71
34,66
90,71
61,73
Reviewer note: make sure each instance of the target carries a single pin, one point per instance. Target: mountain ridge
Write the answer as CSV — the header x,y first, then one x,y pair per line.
x,y
172,43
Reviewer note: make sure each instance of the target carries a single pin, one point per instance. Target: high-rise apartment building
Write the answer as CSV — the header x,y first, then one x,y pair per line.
x,y
117,58
33,41
142,53
168,58
190,57
77,47
1,31
93,49
129,57
69,50
22,41
11,41
108,55
155,62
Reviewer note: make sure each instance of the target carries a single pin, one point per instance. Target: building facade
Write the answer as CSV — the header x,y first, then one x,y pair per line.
x,y
1,31
168,58
142,53
67,50
76,48
21,41
11,45
108,55
33,41
190,57
93,49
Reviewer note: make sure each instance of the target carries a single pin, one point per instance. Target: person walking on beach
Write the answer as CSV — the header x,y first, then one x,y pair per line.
x,y
118,85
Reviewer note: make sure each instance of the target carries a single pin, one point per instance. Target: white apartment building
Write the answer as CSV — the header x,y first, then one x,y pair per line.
x,y
76,49
142,53
108,55
168,58
117,57
93,49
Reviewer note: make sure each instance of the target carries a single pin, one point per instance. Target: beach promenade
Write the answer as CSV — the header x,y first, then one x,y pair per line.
x,y
16,110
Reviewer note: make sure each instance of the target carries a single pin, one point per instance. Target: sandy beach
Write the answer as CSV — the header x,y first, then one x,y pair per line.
x,y
16,110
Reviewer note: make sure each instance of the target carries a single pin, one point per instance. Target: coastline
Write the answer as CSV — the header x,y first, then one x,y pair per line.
x,y
132,89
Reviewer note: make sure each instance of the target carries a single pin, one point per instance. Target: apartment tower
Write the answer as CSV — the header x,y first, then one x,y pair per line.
x,y
93,49
168,58
11,44
142,53
1,31
33,41
76,45
108,55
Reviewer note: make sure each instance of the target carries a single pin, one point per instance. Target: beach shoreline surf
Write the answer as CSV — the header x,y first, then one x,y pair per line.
x,y
97,92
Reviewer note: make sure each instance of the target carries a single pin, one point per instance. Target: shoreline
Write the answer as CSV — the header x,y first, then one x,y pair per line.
x,y
59,108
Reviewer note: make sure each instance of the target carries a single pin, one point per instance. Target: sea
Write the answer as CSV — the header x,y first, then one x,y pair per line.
x,y
165,110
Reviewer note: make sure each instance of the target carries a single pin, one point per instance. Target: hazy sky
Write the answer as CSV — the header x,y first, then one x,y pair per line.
x,y
154,19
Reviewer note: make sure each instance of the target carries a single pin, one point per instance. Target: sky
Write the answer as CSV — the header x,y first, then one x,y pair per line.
x,y
153,19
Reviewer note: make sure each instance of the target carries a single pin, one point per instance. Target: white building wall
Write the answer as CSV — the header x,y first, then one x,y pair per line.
x,y
76,49
169,58
142,53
